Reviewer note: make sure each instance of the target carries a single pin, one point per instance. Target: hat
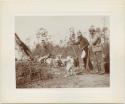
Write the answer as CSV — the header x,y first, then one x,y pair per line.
x,y
92,28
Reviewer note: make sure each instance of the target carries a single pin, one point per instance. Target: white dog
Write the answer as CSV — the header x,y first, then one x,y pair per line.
x,y
70,67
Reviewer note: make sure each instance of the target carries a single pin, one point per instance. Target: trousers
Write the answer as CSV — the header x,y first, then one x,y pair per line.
x,y
85,59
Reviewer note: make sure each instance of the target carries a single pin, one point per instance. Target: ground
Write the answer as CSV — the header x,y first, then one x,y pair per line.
x,y
76,81
55,77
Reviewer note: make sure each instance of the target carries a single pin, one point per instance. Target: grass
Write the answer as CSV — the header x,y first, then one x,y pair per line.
x,y
29,71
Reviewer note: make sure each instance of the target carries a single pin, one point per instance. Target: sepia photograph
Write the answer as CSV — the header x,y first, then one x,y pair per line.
x,y
62,51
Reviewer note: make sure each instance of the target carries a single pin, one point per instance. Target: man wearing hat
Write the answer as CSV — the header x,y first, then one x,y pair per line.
x,y
83,42
97,50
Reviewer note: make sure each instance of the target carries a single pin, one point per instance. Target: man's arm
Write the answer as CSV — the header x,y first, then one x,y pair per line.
x,y
76,43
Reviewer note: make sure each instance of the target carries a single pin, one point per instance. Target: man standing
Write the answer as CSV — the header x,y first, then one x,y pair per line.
x,y
97,50
83,42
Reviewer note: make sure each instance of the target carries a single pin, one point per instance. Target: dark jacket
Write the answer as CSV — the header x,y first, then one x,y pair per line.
x,y
82,41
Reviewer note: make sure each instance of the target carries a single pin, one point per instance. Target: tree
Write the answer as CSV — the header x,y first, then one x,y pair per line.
x,y
43,39
72,34
42,34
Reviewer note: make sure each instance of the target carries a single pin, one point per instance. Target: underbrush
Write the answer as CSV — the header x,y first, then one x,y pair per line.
x,y
29,71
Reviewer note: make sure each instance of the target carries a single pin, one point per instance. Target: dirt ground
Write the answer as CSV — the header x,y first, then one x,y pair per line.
x,y
75,81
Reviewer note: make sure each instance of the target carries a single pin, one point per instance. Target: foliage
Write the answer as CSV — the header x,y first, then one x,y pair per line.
x,y
28,71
